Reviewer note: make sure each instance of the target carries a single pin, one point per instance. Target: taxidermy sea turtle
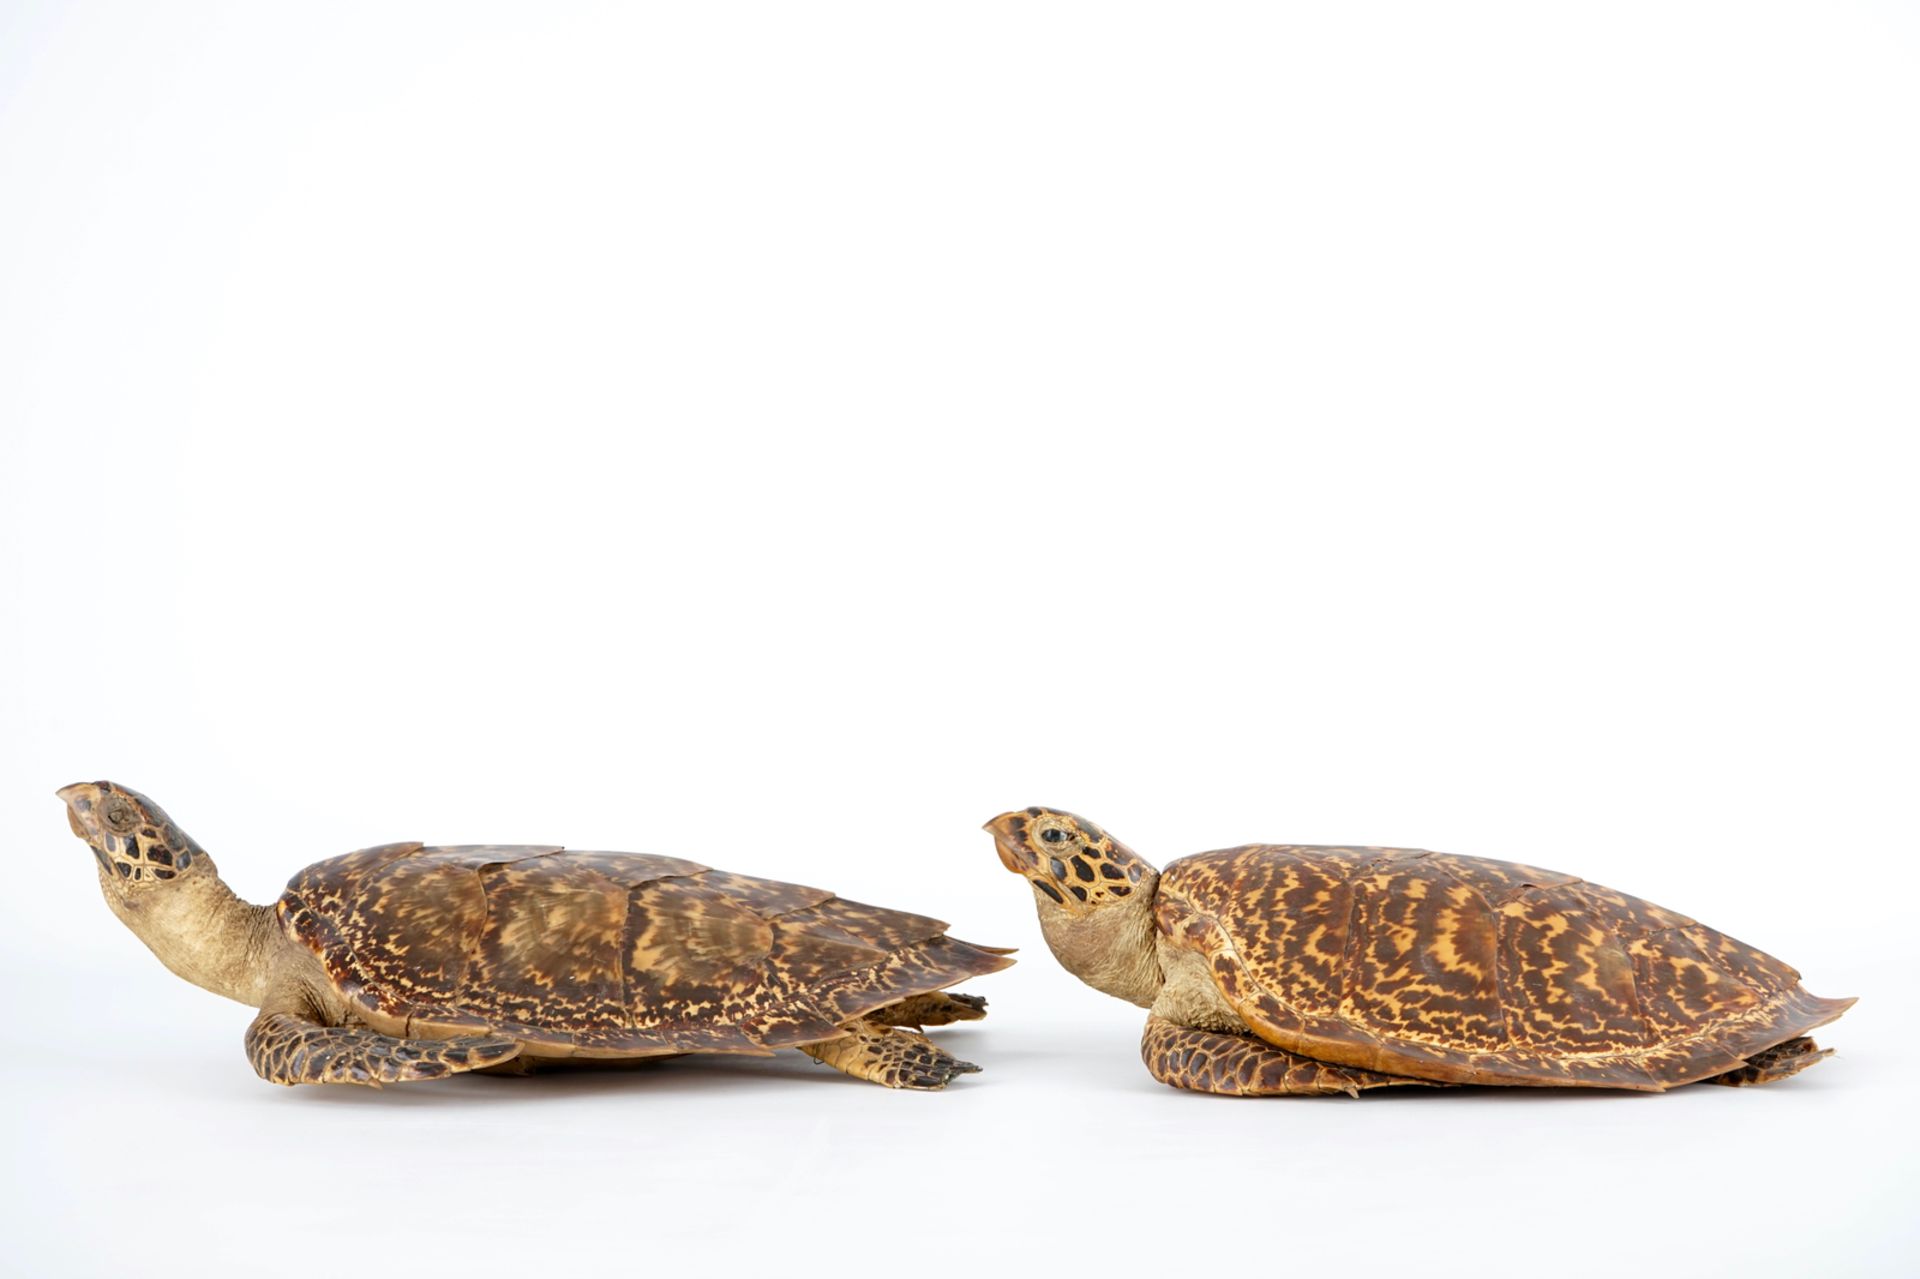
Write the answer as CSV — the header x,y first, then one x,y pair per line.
x,y
410,962
1279,969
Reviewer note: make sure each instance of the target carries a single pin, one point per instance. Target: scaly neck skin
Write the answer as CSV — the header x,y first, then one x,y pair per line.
x,y
1112,947
201,931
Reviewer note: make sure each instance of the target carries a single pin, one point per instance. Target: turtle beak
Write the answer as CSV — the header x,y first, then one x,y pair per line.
x,y
79,798
1006,842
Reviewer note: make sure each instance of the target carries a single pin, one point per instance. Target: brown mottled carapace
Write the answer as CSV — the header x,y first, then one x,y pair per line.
x,y
1469,970
606,954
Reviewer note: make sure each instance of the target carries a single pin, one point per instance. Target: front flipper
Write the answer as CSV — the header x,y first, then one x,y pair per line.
x,y
890,1056
1244,1066
292,1048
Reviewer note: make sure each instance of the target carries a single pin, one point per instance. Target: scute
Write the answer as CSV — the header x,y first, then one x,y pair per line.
x,y
1469,970
606,953
1569,982
547,951
1422,962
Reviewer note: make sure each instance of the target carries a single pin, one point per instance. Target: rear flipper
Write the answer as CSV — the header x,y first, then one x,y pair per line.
x,y
291,1048
936,1009
890,1056
1777,1062
1240,1065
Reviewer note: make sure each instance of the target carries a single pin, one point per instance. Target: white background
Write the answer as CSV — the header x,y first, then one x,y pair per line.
x,y
787,436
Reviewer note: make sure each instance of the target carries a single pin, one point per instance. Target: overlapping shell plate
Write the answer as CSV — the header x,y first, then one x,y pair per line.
x,y
607,953
1470,970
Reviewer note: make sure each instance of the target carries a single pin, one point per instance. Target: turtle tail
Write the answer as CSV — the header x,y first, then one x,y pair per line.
x,y
1777,1062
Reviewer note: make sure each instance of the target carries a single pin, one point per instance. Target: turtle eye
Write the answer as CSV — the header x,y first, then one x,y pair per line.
x,y
1053,834
119,815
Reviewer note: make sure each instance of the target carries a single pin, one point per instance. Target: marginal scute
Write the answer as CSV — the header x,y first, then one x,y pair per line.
x,y
607,953
1468,970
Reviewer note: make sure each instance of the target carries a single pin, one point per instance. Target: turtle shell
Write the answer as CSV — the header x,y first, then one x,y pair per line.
x,y
608,954
1467,970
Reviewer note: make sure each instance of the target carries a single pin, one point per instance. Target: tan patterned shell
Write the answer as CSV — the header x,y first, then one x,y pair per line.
x,y
1466,970
609,954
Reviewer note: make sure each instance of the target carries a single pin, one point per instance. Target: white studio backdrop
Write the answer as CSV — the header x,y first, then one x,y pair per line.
x,y
788,435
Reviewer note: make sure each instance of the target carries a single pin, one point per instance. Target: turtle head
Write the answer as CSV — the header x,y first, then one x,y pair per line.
x,y
1072,864
1094,896
165,888
138,847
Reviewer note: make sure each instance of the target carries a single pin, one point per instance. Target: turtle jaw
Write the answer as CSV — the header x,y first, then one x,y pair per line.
x,y
79,798
1007,842
83,807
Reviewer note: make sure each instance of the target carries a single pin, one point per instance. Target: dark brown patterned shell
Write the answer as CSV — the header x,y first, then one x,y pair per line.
x,y
1466,970
609,954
